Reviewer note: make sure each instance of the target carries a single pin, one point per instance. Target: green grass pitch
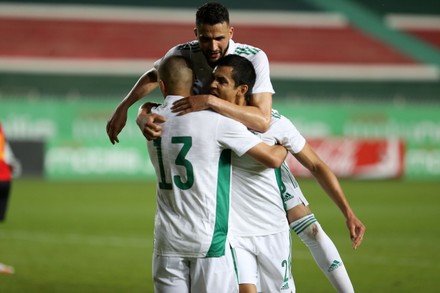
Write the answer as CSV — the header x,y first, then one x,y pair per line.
x,y
98,236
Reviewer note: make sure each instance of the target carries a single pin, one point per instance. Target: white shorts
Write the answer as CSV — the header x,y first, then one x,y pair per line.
x,y
183,274
293,195
265,261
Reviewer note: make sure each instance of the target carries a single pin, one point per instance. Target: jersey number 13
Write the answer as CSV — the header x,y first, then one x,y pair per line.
x,y
186,142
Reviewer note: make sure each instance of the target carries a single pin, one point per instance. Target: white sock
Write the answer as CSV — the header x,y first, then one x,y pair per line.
x,y
324,252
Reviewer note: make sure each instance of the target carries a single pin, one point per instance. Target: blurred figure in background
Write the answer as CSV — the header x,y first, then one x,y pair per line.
x,y
8,163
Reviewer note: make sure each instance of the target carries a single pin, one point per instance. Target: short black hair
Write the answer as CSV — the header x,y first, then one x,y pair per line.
x,y
243,71
177,72
212,13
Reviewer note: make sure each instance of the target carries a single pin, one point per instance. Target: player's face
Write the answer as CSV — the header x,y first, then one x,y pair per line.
x,y
214,40
223,86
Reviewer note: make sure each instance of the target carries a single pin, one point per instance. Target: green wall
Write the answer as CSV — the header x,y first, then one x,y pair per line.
x,y
77,147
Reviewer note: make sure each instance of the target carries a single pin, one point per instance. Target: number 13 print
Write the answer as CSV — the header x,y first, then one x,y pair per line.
x,y
180,161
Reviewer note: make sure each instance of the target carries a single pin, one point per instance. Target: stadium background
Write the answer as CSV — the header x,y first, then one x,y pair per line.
x,y
341,69
356,77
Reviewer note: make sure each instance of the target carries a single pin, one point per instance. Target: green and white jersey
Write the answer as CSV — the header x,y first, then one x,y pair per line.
x,y
203,70
192,161
258,192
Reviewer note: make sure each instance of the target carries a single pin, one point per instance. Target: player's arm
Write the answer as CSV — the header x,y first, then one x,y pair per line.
x,y
330,183
270,156
11,161
146,84
149,122
256,116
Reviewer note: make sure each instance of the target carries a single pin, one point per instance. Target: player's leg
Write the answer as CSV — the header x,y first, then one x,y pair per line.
x,y
247,269
214,274
4,197
247,288
308,229
171,274
6,270
274,262
324,251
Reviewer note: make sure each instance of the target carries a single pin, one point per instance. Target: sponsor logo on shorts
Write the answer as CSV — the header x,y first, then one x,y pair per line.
x,y
285,286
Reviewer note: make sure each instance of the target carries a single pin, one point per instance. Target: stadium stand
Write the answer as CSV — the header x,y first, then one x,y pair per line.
x,y
318,49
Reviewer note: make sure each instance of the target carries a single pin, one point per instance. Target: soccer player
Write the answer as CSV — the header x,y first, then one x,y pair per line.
x,y
192,161
258,229
214,40
6,165
260,234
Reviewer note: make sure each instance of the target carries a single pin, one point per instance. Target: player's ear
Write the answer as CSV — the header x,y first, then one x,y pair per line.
x,y
231,31
195,32
242,90
162,87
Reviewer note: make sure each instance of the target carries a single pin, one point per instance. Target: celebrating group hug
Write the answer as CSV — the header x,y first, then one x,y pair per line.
x,y
226,199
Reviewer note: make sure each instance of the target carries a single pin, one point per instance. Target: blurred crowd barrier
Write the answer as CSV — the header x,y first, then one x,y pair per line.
x,y
67,139
359,78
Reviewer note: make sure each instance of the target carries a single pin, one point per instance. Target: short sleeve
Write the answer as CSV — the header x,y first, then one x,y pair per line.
x,y
287,134
262,70
235,136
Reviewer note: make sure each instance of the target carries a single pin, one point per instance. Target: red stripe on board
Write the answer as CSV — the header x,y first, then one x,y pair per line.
x,y
429,36
321,45
89,39
134,40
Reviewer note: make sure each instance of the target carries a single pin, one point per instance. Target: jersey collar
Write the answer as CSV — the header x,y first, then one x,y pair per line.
x,y
231,47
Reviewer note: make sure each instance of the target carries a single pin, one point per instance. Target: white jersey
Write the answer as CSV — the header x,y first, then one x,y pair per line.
x,y
192,161
203,70
259,192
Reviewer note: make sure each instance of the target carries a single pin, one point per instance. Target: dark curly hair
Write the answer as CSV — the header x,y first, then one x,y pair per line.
x,y
243,71
212,13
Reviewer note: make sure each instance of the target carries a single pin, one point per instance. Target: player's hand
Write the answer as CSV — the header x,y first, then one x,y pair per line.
x,y
116,124
149,124
357,231
191,104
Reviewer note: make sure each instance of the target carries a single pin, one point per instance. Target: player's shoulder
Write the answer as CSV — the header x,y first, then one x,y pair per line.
x,y
227,123
276,116
159,109
192,46
278,119
209,119
207,115
214,117
246,50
